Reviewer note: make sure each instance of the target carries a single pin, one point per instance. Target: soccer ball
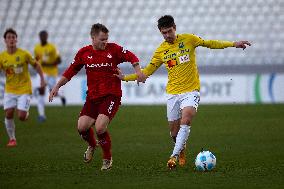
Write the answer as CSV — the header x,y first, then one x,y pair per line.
x,y
205,161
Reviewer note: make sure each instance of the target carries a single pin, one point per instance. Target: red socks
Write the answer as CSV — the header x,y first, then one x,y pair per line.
x,y
105,142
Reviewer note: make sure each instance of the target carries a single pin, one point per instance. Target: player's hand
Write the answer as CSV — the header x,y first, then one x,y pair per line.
x,y
120,75
53,93
141,77
242,44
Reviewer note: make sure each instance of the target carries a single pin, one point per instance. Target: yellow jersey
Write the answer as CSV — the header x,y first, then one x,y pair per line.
x,y
180,62
47,54
15,66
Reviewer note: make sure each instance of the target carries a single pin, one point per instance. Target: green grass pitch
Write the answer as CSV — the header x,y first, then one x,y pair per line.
x,y
247,140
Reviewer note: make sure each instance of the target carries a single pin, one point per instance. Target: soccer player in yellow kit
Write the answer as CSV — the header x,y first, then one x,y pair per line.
x,y
177,53
18,88
49,58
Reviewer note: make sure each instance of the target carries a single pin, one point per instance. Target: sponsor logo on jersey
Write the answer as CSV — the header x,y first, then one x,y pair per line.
x,y
99,65
175,54
171,63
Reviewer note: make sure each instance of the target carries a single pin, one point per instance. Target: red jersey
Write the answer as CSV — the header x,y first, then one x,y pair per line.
x,y
100,66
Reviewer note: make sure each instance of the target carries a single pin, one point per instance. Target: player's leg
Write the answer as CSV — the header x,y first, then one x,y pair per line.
x,y
40,96
174,128
86,119
107,110
10,104
104,140
87,133
173,114
189,105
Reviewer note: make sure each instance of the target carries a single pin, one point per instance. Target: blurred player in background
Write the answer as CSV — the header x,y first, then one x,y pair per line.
x,y
104,89
177,53
49,58
18,88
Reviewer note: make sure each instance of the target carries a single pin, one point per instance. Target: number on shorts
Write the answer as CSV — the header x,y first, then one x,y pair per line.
x,y
110,107
196,99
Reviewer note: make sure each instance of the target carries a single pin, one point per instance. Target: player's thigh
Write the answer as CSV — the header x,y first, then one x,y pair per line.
x,y
189,106
109,106
10,101
173,108
190,99
90,109
24,102
23,106
107,109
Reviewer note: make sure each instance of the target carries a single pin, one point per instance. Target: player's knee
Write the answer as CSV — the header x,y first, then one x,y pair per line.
x,y
82,127
100,130
9,116
23,117
186,120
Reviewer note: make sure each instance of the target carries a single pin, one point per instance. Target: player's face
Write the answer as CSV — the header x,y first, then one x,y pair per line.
x,y
100,40
11,40
169,34
43,38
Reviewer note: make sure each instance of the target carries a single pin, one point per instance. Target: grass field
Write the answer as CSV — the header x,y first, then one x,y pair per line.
x,y
247,140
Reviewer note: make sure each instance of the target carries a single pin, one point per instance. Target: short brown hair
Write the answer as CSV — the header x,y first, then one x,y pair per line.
x,y
10,30
97,28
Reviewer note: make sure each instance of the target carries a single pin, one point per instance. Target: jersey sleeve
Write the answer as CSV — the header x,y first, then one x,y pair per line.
x,y
126,55
155,63
212,44
54,51
75,66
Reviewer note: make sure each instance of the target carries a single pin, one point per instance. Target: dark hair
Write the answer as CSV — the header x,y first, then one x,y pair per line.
x,y
97,28
166,21
10,30
43,32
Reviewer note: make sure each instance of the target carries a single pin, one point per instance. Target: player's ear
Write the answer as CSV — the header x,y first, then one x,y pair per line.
x,y
175,27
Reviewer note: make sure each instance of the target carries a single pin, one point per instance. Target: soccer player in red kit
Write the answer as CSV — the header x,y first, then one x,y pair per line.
x,y
104,89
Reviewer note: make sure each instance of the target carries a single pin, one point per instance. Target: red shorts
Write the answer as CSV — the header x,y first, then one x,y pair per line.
x,y
107,105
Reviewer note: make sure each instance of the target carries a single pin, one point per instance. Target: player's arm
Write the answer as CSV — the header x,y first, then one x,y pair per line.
x,y
72,70
147,71
128,56
141,77
38,69
155,63
63,80
219,44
